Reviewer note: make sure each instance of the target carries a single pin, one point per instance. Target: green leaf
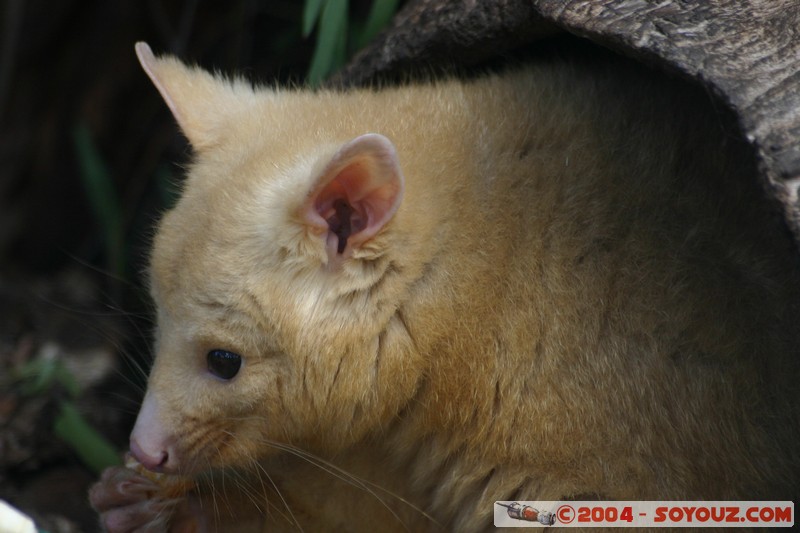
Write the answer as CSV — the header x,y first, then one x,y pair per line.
x,y
94,450
333,24
67,380
379,16
310,14
102,197
38,376
340,48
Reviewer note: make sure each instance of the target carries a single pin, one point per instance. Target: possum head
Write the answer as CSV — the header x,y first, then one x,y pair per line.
x,y
275,280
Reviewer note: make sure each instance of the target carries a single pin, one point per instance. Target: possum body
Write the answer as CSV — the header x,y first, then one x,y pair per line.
x,y
399,306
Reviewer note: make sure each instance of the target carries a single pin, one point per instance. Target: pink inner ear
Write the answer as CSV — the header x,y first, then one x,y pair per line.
x,y
338,204
359,193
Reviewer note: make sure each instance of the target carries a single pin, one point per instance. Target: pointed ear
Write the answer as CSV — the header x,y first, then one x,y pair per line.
x,y
357,193
198,101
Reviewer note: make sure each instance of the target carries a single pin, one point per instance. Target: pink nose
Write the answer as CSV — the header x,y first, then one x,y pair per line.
x,y
151,444
153,462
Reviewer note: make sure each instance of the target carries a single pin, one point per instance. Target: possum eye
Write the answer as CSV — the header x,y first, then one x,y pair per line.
x,y
223,364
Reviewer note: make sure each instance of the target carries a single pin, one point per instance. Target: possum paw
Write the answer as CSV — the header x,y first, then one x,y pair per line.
x,y
128,501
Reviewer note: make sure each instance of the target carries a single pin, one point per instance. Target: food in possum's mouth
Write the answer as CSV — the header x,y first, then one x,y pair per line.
x,y
171,486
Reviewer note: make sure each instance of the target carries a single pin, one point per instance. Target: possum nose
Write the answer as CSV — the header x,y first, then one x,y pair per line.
x,y
153,462
150,444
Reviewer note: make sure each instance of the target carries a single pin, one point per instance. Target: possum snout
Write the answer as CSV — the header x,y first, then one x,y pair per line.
x,y
150,444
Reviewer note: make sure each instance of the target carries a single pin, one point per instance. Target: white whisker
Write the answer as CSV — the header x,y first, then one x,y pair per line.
x,y
356,481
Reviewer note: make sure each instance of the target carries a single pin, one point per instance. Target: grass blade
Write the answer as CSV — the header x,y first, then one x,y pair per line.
x,y
94,450
332,24
379,16
102,197
310,15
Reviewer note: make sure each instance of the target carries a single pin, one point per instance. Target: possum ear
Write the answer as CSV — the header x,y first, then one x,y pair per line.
x,y
356,194
199,101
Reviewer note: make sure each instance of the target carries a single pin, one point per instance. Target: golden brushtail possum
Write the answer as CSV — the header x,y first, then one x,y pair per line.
x,y
399,306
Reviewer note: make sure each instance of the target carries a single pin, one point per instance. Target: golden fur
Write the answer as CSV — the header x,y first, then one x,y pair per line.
x,y
581,295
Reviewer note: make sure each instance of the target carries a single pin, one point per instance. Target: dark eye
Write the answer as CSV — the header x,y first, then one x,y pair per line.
x,y
223,364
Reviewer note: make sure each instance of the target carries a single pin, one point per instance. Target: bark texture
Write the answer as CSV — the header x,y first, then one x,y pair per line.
x,y
746,51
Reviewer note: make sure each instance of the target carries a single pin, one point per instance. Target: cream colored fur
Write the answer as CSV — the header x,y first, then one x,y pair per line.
x,y
580,296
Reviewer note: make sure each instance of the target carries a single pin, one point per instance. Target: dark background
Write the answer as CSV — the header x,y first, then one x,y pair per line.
x,y
70,64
